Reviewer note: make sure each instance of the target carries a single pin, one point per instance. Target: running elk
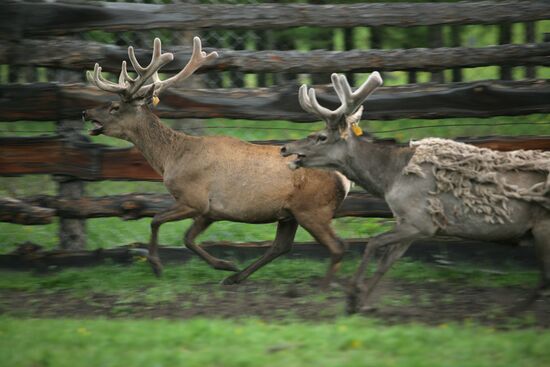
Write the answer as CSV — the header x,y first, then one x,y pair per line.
x,y
214,178
433,187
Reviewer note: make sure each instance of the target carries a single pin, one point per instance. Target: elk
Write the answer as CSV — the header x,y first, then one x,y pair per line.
x,y
214,178
434,187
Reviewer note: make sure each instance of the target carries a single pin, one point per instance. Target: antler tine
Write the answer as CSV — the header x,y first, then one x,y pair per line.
x,y
124,78
198,58
354,100
131,88
331,117
97,79
158,60
303,98
340,89
308,101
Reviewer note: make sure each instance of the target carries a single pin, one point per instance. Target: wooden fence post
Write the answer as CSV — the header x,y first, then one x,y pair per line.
x,y
376,40
72,232
235,76
435,40
505,37
456,42
264,41
530,71
348,45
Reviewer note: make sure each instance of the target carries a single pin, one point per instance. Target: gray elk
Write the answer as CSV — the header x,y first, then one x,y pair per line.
x,y
433,187
214,178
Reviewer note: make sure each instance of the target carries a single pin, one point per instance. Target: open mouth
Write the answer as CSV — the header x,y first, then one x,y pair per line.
x,y
297,163
97,128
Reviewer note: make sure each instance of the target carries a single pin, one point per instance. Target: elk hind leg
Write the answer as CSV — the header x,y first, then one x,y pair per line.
x,y
541,234
286,230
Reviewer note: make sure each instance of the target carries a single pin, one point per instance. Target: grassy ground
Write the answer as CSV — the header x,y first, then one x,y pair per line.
x,y
117,279
207,342
285,337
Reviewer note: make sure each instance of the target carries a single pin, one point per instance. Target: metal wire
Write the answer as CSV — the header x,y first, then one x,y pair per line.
x,y
310,130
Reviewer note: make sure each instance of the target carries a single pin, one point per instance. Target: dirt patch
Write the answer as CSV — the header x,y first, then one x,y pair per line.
x,y
395,301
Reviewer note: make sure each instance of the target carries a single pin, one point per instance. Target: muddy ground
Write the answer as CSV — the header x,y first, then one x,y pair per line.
x,y
396,301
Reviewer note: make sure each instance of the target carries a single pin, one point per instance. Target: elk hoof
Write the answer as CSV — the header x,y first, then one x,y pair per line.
x,y
353,299
352,306
156,266
225,265
232,279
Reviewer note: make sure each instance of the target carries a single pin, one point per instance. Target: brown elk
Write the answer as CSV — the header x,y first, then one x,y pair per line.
x,y
434,187
216,178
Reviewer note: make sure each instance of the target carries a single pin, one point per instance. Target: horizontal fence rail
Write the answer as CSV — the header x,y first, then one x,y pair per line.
x,y
79,55
21,212
59,17
54,155
33,256
42,209
52,101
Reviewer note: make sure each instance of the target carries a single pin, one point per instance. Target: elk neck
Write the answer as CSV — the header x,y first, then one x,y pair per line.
x,y
157,142
375,166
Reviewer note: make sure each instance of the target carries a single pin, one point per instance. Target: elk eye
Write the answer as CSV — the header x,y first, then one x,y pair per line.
x,y
114,109
322,138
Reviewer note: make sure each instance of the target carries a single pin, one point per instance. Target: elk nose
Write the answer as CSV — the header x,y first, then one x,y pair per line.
x,y
84,115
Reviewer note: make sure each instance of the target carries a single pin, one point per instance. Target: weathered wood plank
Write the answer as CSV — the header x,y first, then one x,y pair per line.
x,y
52,155
47,102
59,17
135,206
32,256
65,53
47,155
55,155
21,212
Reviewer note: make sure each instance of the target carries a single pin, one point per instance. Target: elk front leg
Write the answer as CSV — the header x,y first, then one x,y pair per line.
x,y
541,233
286,230
200,225
177,212
399,239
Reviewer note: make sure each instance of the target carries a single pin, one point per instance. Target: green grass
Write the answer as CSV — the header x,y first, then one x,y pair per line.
x,y
111,232
117,279
251,342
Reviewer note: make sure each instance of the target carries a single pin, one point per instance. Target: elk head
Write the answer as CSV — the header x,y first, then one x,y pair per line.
x,y
329,148
118,117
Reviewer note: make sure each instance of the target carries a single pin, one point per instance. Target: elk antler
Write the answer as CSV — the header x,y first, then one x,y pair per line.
x,y
350,101
132,88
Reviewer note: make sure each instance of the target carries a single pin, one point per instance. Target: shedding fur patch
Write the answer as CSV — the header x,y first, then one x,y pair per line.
x,y
476,177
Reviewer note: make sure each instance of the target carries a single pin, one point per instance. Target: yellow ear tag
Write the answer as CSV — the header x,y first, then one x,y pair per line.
x,y
156,101
356,129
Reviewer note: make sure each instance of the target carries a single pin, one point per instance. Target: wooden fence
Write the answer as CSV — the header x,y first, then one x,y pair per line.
x,y
41,40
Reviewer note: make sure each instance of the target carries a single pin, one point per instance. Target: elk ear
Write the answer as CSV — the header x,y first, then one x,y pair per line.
x,y
149,98
145,99
352,123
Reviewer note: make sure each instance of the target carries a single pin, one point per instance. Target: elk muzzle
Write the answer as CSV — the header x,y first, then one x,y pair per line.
x,y
98,128
288,150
